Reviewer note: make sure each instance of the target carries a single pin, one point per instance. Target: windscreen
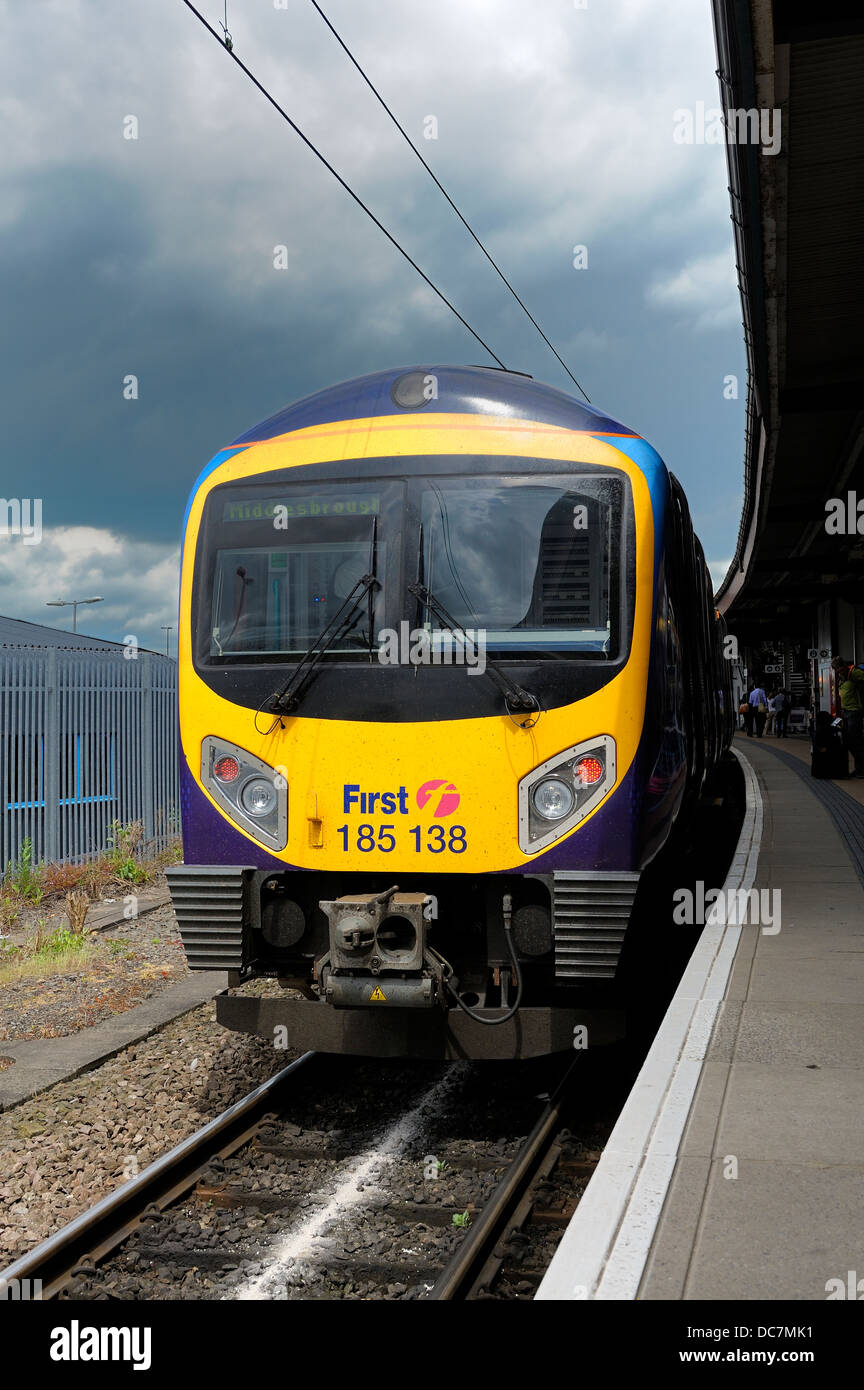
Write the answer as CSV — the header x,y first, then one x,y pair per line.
x,y
285,562
531,561
530,558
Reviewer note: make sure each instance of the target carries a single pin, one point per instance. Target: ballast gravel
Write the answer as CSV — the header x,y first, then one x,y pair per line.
x,y
75,1142
356,1198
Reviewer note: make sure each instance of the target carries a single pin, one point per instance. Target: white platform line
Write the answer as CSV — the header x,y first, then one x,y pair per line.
x,y
603,1252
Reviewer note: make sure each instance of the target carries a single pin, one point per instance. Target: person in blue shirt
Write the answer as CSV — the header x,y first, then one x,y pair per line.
x,y
758,702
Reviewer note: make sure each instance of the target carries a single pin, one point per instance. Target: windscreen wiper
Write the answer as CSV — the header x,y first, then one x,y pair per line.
x,y
516,699
288,698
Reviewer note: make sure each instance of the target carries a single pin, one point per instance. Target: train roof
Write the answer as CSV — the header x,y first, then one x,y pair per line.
x,y
458,390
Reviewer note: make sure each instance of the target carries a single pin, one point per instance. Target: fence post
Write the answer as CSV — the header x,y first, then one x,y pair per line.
x,y
148,770
52,757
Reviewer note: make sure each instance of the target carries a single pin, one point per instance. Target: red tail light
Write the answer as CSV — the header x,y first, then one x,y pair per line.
x,y
589,771
226,769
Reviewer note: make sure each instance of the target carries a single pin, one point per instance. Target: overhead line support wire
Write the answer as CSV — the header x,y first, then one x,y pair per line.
x,y
348,189
370,84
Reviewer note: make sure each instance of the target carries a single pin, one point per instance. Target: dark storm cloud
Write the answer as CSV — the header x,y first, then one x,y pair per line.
x,y
155,257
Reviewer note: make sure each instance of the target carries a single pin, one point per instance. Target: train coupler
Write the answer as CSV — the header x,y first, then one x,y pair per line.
x,y
378,951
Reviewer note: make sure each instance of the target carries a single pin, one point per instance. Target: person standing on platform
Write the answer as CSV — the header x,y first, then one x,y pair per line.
x,y
850,688
750,713
782,703
769,718
758,702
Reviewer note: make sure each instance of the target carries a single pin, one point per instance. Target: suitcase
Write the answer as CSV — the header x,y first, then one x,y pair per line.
x,y
828,756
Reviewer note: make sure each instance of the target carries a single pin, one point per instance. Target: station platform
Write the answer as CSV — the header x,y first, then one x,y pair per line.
x,y
797,749
736,1168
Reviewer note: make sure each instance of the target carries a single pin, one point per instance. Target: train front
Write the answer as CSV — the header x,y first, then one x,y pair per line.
x,y
416,617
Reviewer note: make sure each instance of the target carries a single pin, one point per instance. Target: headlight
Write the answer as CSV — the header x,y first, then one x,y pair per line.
x,y
258,797
552,799
558,794
588,771
253,794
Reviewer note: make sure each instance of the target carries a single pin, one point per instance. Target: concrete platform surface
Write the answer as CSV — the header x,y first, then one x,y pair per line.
x,y
796,746
766,1199
107,914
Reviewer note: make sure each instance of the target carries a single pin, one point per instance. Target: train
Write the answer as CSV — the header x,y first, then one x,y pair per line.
x,y
450,674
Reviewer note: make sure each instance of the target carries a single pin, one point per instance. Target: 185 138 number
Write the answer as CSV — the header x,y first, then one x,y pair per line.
x,y
438,838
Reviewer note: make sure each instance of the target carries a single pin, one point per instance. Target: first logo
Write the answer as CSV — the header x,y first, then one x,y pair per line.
x,y
443,793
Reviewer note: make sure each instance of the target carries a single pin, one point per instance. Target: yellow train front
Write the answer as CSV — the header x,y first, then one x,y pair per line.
x,y
449,670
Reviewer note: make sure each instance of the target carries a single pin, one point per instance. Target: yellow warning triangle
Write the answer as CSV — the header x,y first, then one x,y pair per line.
x,y
377,996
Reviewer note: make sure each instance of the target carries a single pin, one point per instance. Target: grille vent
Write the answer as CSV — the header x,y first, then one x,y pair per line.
x,y
591,912
208,904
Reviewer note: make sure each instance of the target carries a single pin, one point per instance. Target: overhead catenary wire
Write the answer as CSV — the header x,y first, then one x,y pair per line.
x,y
403,132
348,189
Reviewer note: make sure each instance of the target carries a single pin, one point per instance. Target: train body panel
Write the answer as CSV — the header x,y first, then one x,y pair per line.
x,y
384,821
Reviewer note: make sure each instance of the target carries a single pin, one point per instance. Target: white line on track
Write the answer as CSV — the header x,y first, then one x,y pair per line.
x,y
296,1252
603,1252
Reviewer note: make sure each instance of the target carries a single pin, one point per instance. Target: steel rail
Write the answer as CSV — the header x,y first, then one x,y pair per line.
x,y
98,1231
464,1272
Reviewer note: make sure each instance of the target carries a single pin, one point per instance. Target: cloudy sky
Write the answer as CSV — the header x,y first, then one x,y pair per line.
x,y
154,257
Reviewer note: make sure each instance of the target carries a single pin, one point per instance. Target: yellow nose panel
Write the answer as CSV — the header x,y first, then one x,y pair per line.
x,y
404,797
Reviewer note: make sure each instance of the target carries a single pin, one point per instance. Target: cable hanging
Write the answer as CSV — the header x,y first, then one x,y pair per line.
x,y
440,185
348,189
228,41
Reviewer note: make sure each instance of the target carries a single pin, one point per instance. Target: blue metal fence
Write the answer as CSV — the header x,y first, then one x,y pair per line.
x,y
86,738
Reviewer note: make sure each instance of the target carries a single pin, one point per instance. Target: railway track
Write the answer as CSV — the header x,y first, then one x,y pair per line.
x,y
419,1200
97,1232
541,1189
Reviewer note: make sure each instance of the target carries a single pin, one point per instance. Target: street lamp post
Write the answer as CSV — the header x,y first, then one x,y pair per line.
x,y
167,630
72,603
